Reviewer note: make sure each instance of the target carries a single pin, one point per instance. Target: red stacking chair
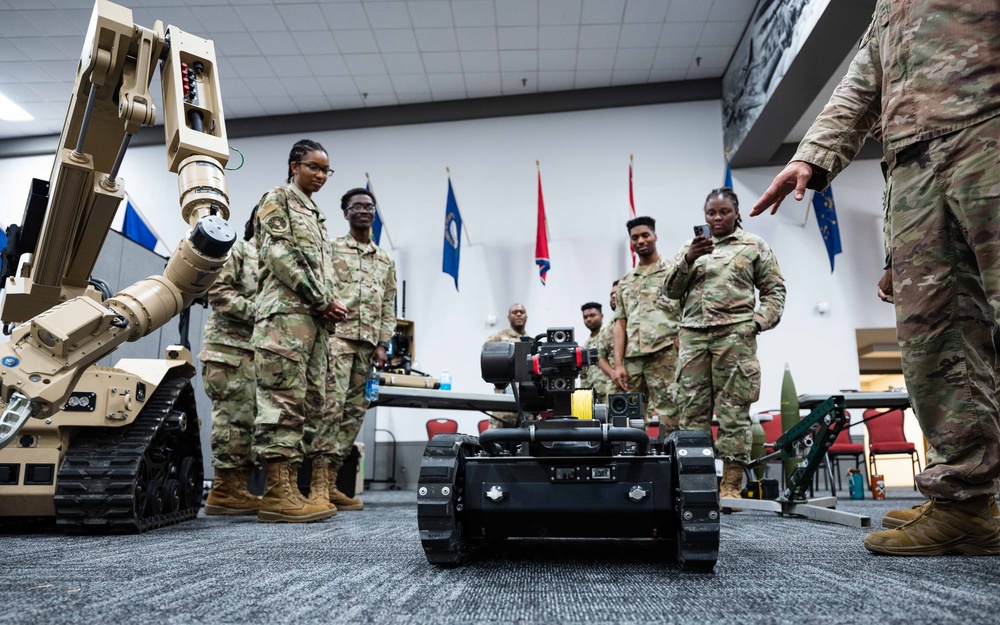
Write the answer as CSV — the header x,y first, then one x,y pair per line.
x,y
484,425
843,447
441,426
886,438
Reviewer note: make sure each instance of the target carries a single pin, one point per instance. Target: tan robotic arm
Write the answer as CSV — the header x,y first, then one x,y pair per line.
x,y
63,325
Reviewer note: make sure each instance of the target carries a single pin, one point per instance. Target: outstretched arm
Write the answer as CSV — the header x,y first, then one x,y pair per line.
x,y
794,177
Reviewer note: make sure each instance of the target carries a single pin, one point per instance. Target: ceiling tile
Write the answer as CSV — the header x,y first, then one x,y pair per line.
x,y
735,10
301,86
318,43
592,79
374,84
550,60
436,39
338,86
14,24
411,83
328,65
60,71
430,13
277,105
558,37
517,12
515,83
381,99
446,96
53,92
244,44
518,37
559,12
21,93
603,36
695,72
629,77
252,67
271,43
446,83
345,16
242,107
722,33
688,11
364,64
441,62
263,18
27,72
38,48
673,58
477,38
640,35
289,66
680,35
403,63
388,14
635,59
69,46
312,104
396,40
473,13
480,62
414,98
303,17
347,101
714,57
355,41
219,19
236,88
10,52
603,11
647,11
483,84
595,59
519,60
556,81
54,23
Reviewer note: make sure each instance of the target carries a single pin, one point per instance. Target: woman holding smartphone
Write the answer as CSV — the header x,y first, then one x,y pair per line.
x,y
717,369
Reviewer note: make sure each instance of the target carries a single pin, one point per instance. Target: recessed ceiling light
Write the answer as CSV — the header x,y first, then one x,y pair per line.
x,y
10,112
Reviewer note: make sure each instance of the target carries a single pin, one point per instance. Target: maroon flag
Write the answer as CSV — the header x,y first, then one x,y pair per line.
x,y
631,206
542,235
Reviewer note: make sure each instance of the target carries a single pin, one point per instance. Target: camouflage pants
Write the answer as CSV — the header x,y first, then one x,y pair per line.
x,y
944,207
718,371
333,436
653,375
228,376
597,380
290,360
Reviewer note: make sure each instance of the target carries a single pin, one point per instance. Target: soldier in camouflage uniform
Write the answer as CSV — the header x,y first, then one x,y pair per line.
x,y
227,372
929,72
646,328
606,347
715,280
593,376
366,284
517,316
295,309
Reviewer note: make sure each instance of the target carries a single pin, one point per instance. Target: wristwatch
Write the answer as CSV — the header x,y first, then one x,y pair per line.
x,y
383,344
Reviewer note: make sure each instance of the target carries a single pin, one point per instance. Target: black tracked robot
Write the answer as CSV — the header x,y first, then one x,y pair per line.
x,y
583,472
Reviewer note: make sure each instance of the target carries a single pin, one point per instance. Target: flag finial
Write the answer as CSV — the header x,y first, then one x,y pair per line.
x,y
447,170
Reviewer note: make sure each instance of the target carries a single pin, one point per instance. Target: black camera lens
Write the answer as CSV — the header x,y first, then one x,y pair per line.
x,y
618,405
559,336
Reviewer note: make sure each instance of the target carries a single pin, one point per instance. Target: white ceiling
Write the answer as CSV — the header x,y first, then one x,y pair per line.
x,y
292,56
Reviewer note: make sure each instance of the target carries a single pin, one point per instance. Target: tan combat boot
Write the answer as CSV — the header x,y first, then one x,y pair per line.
x,y
732,482
898,518
319,485
229,494
339,499
966,527
282,502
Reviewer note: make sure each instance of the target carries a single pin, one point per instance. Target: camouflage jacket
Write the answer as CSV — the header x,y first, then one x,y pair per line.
x,y
925,68
718,288
232,298
504,336
366,284
650,316
296,264
606,343
593,376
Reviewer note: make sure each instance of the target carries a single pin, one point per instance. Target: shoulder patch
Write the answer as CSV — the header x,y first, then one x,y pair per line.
x,y
266,210
275,222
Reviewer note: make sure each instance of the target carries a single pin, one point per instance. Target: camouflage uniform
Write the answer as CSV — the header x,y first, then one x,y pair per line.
x,y
227,358
650,330
592,376
606,350
366,285
290,336
929,72
503,419
717,368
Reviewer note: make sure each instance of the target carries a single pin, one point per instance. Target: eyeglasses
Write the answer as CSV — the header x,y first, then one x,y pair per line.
x,y
362,208
314,168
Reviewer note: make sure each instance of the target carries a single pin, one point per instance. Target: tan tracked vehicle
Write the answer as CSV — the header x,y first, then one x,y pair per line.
x,y
110,448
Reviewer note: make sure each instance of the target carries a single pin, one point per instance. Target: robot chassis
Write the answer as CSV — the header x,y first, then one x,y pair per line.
x,y
582,472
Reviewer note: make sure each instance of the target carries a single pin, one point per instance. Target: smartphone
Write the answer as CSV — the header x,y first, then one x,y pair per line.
x,y
703,231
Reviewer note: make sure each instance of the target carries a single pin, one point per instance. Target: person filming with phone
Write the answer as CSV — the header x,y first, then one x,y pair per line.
x,y
715,276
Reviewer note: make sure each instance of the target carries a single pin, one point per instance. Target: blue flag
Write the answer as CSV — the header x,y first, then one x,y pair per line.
x,y
135,229
377,222
729,176
452,236
826,217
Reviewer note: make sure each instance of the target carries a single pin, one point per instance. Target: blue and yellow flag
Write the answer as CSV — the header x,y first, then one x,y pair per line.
x,y
728,181
452,236
377,222
136,229
826,217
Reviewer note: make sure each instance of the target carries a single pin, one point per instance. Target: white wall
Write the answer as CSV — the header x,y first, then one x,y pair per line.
x,y
584,163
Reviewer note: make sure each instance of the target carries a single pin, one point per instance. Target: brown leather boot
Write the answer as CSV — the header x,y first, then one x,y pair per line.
x,y
229,494
319,485
732,482
899,518
965,527
282,502
339,499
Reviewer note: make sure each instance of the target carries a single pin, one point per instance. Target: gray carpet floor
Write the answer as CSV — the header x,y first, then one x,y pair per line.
x,y
368,567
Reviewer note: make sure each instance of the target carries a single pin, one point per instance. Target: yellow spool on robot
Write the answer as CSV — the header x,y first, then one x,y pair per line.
x,y
582,403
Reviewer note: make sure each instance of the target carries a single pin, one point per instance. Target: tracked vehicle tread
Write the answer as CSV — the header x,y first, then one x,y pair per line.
x,y
112,479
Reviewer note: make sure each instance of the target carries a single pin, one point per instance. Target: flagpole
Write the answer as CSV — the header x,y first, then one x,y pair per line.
x,y
808,207
377,210
465,228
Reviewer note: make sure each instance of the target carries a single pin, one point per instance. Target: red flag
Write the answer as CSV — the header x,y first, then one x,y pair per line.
x,y
542,236
631,206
